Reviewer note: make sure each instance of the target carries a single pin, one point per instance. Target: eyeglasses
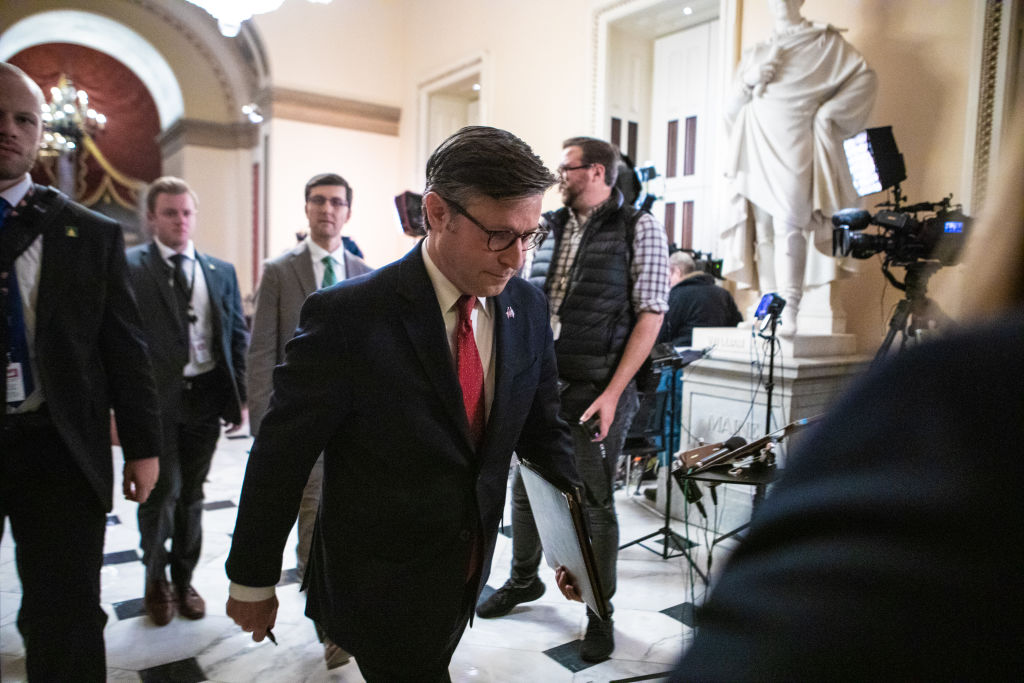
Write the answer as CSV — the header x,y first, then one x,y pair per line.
x,y
320,200
500,240
562,170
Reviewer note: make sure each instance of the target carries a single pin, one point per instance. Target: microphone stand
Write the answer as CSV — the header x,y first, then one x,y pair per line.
x,y
769,386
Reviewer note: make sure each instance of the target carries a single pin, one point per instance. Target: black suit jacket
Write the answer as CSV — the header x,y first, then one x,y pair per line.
x,y
90,351
369,380
165,332
891,548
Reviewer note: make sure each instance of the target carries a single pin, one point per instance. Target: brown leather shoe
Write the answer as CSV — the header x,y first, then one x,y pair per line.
x,y
190,604
159,601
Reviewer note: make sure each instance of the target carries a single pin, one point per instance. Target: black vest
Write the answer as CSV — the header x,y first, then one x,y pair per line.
x,y
596,314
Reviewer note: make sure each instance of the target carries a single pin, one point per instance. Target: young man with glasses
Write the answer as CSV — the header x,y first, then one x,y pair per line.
x,y
417,383
319,260
604,268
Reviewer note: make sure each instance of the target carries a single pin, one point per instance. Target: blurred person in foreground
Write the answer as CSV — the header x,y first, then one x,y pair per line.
x,y
892,547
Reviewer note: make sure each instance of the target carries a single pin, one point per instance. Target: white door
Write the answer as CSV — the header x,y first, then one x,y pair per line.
x,y
685,126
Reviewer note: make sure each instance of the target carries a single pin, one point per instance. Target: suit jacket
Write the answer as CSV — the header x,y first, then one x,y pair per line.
x,y
90,351
166,334
890,549
369,380
287,280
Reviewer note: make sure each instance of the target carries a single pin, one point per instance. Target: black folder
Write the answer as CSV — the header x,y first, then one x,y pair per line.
x,y
558,513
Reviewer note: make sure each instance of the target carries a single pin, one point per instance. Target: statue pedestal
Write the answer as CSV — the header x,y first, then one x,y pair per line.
x,y
725,394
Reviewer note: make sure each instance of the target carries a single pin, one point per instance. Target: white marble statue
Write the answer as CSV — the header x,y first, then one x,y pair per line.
x,y
796,96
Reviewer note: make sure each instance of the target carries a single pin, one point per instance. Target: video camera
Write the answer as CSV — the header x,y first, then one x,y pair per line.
x,y
904,238
704,262
875,165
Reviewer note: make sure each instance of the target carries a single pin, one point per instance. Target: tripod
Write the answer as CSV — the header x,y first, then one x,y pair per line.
x,y
672,544
915,312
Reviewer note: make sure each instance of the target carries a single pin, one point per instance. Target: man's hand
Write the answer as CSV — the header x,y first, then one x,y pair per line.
x,y
139,477
254,617
604,407
567,584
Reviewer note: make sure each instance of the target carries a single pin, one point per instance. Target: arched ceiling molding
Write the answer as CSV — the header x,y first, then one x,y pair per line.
x,y
188,45
235,64
108,36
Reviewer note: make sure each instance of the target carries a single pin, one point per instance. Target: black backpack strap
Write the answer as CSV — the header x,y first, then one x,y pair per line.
x,y
28,220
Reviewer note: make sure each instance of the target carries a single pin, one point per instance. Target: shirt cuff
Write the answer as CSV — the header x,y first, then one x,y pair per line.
x,y
249,593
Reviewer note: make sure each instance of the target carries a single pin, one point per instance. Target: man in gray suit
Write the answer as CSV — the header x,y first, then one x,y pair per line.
x,y
320,260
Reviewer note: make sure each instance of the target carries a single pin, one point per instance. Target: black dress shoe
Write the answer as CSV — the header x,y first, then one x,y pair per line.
x,y
159,601
190,604
599,641
507,597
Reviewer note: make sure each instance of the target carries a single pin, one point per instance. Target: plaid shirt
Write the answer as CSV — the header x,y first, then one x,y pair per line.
x,y
648,272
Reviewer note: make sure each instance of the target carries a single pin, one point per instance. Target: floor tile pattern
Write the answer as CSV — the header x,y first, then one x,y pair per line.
x,y
536,642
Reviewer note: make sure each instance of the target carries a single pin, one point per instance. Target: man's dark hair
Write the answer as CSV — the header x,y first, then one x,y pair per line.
x,y
596,151
480,160
330,179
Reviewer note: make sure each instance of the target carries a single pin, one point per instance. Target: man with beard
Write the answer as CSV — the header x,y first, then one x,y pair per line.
x,y
604,269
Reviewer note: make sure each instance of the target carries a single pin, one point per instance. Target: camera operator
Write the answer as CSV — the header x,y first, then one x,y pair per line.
x,y
694,301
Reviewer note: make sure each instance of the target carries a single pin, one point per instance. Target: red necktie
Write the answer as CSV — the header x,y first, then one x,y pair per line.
x,y
471,371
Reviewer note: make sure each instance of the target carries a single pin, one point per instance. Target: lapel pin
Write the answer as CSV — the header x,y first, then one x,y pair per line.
x,y
70,231
509,313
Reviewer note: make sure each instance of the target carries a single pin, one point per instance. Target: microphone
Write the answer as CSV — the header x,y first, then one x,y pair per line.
x,y
855,219
734,442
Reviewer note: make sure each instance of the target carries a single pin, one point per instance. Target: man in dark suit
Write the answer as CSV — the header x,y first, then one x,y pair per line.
x,y
74,351
417,414
198,338
320,260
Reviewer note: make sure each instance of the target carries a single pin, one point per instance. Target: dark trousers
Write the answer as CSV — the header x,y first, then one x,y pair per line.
x,y
58,523
596,464
174,509
398,669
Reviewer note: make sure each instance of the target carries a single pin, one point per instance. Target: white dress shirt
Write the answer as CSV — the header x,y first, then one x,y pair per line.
x,y
317,253
200,333
27,268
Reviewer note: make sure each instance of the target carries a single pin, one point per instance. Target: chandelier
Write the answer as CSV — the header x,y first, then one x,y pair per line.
x,y
68,118
231,13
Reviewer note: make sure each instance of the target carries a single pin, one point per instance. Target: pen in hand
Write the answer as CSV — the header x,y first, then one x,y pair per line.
x,y
270,635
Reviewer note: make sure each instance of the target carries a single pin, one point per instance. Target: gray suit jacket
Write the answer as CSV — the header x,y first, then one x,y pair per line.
x,y
286,282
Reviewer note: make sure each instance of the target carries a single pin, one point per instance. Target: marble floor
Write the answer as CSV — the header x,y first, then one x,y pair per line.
x,y
537,642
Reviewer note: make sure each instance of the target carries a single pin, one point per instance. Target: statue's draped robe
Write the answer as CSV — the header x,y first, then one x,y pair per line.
x,y
785,146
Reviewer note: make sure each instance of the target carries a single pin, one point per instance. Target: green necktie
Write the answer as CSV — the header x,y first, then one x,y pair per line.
x,y
329,277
